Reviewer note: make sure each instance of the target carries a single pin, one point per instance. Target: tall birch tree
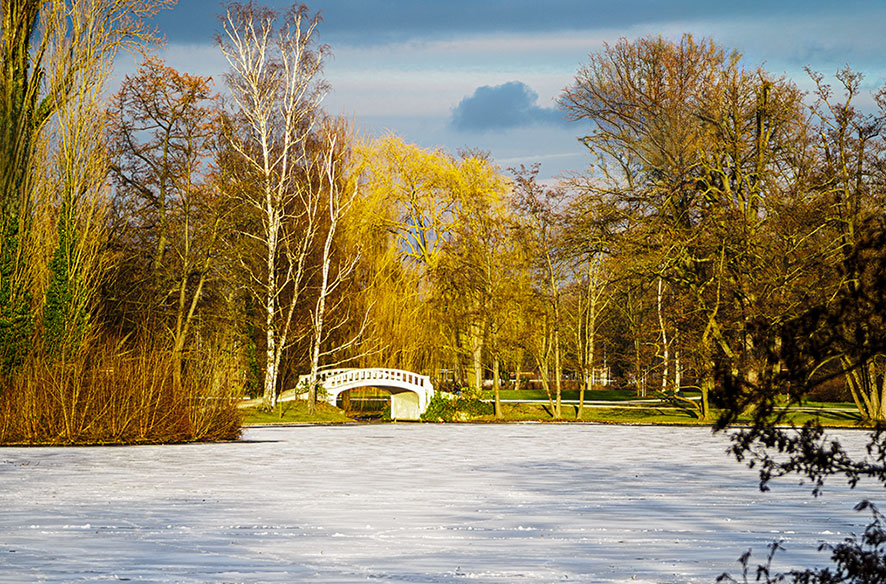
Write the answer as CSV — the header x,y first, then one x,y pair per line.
x,y
275,86
337,184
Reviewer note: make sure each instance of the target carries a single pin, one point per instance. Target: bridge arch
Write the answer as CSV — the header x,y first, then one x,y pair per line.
x,y
410,392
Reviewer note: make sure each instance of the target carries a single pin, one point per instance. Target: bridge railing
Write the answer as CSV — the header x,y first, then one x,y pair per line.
x,y
376,374
322,376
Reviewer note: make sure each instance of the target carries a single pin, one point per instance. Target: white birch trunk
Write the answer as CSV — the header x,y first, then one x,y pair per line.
x,y
665,348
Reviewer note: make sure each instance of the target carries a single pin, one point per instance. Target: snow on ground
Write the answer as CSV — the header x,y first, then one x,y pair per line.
x,y
407,503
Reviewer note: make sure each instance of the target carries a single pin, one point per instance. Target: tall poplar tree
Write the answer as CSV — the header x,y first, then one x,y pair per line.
x,y
22,114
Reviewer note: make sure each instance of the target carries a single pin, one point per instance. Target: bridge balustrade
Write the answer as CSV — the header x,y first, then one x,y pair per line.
x,y
402,384
337,378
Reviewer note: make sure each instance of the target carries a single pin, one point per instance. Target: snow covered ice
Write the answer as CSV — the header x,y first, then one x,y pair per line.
x,y
408,503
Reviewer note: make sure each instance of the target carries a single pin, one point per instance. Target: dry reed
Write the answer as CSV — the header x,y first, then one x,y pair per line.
x,y
115,397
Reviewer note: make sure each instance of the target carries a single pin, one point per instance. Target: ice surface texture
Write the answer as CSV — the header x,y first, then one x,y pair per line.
x,y
407,503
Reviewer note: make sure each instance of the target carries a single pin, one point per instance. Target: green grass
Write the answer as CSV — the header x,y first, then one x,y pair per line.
x,y
844,418
819,404
633,415
518,412
539,394
651,414
294,412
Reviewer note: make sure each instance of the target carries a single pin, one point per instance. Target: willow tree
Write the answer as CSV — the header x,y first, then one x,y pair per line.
x,y
474,276
444,216
413,194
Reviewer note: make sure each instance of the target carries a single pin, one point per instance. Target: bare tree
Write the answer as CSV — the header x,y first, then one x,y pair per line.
x,y
162,130
693,154
852,152
274,83
593,299
541,233
338,184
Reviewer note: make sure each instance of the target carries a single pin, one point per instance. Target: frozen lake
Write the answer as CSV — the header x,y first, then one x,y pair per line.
x,y
407,503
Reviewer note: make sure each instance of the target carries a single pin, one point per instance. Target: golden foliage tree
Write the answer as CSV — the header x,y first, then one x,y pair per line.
x,y
692,156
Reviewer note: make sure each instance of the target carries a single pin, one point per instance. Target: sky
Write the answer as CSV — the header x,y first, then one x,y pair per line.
x,y
485,74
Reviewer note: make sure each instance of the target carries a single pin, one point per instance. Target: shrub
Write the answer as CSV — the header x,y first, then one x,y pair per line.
x,y
440,409
473,406
108,396
446,409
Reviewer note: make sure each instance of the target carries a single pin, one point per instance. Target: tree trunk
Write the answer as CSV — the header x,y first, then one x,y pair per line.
x,y
853,383
476,343
543,362
269,398
875,375
707,385
640,377
496,386
866,386
707,379
665,349
678,372
518,368
590,377
319,315
558,374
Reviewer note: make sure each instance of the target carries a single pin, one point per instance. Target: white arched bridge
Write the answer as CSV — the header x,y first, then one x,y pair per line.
x,y
410,392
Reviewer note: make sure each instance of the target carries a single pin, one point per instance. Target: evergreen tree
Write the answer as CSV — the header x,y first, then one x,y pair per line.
x,y
65,317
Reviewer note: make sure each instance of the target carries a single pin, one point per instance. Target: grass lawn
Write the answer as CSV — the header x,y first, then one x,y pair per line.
x,y
831,418
294,412
664,414
652,414
539,394
516,412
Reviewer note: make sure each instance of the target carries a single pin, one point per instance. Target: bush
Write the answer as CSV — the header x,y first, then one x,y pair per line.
x,y
447,409
473,406
832,390
111,397
440,409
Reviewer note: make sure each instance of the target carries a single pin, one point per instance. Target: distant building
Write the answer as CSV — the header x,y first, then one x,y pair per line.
x,y
601,376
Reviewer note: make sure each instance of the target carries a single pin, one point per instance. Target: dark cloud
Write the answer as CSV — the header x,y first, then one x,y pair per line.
x,y
510,105
370,22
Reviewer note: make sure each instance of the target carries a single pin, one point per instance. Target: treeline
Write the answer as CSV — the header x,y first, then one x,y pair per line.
x,y
740,221
68,373
175,246
725,235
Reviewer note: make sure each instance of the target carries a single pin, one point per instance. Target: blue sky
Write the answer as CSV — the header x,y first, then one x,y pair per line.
x,y
485,73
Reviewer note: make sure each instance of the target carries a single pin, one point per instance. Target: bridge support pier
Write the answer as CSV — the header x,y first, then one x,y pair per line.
x,y
405,405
